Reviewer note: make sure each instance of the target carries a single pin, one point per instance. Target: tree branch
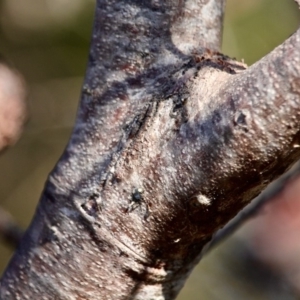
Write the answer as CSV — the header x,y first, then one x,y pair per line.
x,y
9,230
250,211
171,141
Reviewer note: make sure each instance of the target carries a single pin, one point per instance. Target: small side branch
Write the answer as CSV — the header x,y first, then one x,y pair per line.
x,y
10,231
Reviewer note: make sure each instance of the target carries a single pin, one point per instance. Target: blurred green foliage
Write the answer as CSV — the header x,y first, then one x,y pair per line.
x,y
47,41
253,28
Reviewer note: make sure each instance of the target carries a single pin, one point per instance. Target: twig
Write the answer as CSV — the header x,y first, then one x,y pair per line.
x,y
10,231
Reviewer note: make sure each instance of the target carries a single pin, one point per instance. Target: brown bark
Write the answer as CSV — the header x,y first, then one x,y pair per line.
x,y
171,141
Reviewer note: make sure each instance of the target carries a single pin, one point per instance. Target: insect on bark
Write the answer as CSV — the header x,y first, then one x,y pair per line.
x,y
136,200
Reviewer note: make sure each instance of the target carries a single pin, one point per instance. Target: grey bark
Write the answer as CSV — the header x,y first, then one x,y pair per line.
x,y
172,140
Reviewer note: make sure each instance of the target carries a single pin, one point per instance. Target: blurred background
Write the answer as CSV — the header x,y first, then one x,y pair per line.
x,y
47,41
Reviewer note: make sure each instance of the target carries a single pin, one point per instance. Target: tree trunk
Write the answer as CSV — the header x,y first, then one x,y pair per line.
x,y
172,140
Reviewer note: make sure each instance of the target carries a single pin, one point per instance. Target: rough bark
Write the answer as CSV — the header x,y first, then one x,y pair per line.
x,y
171,140
273,191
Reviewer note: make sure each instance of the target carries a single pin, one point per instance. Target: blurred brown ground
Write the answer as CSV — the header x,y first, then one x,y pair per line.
x,y
47,41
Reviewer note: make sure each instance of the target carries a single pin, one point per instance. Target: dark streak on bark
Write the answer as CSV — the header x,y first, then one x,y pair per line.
x,y
190,128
